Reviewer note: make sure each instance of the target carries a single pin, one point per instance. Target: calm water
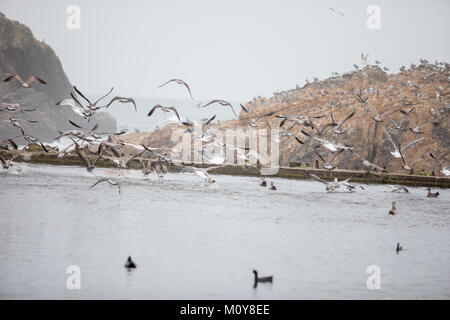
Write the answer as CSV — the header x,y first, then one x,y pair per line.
x,y
195,240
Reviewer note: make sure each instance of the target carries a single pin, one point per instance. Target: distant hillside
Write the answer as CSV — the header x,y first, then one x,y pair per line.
x,y
21,53
424,87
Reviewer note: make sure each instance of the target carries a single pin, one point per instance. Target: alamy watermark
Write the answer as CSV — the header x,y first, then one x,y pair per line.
x,y
74,280
374,20
73,21
233,146
374,280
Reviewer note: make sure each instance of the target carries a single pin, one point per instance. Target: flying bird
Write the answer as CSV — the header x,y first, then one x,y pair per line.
x,y
253,121
165,109
444,169
335,12
337,128
89,166
397,150
8,163
122,100
222,103
179,81
332,146
328,164
27,83
110,181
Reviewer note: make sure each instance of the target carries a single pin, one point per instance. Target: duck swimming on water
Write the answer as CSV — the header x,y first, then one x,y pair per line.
x,y
432,194
272,186
399,248
394,209
129,264
263,183
262,279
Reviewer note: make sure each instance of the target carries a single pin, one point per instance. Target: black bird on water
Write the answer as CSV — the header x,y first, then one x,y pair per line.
x,y
130,264
262,279
399,248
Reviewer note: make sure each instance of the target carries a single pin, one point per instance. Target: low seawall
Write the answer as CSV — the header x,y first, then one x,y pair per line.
x,y
358,176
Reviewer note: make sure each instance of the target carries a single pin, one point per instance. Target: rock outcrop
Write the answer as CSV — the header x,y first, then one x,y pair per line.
x,y
21,53
424,87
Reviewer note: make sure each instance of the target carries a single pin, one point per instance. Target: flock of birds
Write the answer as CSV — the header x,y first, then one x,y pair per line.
x,y
158,159
90,145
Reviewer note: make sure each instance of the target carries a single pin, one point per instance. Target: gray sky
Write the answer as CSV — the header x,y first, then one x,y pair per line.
x,y
230,49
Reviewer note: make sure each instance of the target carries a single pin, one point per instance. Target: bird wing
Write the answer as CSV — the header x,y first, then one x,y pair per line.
x,y
334,123
298,140
98,100
114,99
319,155
95,127
313,137
393,122
209,121
211,102
33,78
176,112
131,100
98,181
334,155
313,176
82,157
187,87
79,92
233,110
14,77
158,106
388,135
346,119
412,143
3,160
167,82
401,154
264,115
437,160
246,111
77,101
75,125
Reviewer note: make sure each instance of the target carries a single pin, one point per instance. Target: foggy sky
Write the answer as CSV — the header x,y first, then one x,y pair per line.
x,y
228,49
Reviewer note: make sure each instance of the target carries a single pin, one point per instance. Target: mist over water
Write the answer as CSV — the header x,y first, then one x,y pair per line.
x,y
194,240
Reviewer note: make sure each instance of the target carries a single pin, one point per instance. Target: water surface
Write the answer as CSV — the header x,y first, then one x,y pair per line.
x,y
194,240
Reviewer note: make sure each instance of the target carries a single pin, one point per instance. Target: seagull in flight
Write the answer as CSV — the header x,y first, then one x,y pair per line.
x,y
110,181
122,100
27,83
330,186
397,150
89,166
8,163
367,163
222,103
445,169
202,173
328,164
337,128
253,121
335,12
332,146
165,109
91,106
179,81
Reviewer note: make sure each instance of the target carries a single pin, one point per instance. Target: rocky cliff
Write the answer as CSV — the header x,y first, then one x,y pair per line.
x,y
424,88
21,53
